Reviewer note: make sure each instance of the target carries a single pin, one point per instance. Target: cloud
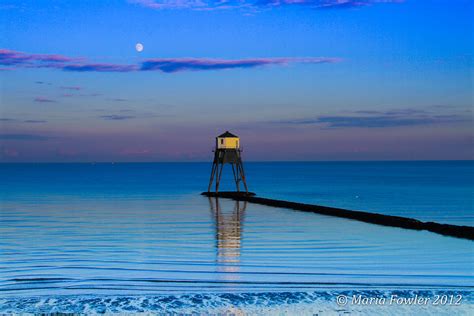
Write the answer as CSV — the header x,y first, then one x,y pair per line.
x,y
171,65
25,121
9,152
35,121
43,100
24,60
203,5
118,100
117,117
373,121
25,137
379,119
100,68
344,4
166,65
135,152
90,95
75,88
70,95
15,58
213,5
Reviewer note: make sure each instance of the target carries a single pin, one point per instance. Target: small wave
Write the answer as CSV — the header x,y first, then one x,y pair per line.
x,y
282,303
39,279
130,281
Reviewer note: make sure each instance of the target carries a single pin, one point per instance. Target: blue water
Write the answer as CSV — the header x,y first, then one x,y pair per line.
x,y
94,238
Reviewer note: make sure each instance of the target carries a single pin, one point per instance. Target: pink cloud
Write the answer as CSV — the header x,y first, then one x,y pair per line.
x,y
168,65
135,152
15,58
207,5
100,68
9,152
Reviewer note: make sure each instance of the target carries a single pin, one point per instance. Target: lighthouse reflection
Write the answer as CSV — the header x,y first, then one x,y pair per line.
x,y
229,226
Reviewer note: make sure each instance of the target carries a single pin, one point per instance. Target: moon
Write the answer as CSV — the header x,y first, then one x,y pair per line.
x,y
139,47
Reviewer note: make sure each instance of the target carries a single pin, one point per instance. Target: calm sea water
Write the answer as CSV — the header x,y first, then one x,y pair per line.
x,y
94,238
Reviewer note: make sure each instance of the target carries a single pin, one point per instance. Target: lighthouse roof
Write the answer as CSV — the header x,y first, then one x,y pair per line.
x,y
227,134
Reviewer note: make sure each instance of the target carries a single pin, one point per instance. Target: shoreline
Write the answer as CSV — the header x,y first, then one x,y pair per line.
x,y
464,232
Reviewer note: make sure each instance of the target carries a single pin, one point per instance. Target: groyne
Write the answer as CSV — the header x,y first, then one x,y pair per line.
x,y
465,232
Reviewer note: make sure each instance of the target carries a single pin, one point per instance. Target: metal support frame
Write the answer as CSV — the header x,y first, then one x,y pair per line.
x,y
227,156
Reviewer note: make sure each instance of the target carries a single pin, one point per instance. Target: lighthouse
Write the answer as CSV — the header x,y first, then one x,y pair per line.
x,y
227,151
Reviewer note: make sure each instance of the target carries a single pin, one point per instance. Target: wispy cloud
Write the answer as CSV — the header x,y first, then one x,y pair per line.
x,y
116,117
25,137
192,4
135,152
75,88
118,100
166,65
212,5
43,100
9,152
100,68
15,58
35,121
343,4
170,65
90,94
24,121
379,119
70,95
382,121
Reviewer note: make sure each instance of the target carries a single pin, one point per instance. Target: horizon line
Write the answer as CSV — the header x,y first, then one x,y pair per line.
x,y
247,161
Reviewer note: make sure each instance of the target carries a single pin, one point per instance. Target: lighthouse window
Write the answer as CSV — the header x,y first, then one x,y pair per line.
x,y
222,142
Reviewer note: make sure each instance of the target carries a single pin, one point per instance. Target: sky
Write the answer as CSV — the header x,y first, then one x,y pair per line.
x,y
298,80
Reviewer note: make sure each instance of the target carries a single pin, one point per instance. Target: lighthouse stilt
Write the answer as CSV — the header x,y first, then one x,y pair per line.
x,y
218,178
213,172
235,172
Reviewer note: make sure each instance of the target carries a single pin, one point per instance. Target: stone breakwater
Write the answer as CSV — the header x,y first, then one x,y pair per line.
x,y
465,232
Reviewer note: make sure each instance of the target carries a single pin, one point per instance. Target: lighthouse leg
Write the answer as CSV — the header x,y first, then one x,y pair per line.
x,y
218,178
236,177
213,171
242,174
239,177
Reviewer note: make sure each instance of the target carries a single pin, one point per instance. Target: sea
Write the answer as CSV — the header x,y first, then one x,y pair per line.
x,y
120,238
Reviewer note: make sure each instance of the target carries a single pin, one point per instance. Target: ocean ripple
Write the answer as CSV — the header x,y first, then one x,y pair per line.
x,y
282,303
